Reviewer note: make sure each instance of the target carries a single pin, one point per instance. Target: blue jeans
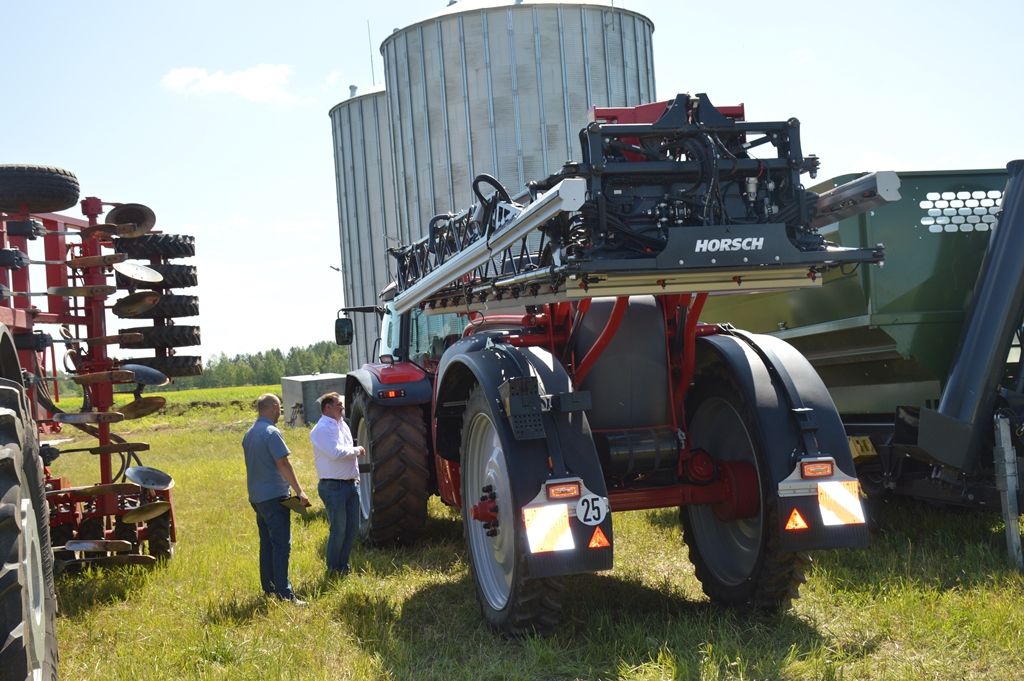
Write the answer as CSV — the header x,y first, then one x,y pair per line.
x,y
341,499
275,526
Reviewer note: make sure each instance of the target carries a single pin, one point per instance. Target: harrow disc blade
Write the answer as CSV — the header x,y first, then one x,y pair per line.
x,y
109,545
139,273
112,561
144,406
136,304
146,512
147,375
98,490
89,417
150,478
117,376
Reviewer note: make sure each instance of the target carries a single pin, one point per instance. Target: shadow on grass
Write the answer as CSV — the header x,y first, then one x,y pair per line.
x,y
940,547
440,548
80,591
236,610
310,517
609,625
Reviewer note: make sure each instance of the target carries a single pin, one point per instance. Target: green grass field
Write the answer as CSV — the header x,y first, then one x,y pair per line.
x,y
932,598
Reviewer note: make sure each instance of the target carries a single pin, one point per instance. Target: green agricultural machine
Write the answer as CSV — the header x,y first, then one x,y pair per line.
x,y
923,354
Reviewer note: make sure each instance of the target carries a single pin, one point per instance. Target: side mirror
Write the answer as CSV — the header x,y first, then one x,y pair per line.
x,y
343,331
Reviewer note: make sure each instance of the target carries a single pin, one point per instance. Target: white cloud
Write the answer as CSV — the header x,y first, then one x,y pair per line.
x,y
333,78
260,83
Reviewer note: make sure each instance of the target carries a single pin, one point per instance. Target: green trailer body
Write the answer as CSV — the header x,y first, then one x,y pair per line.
x,y
885,337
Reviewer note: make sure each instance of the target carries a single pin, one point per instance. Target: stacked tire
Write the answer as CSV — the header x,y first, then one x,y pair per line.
x,y
166,334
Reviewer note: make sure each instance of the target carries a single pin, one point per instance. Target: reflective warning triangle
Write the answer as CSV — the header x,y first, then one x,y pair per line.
x,y
598,540
796,521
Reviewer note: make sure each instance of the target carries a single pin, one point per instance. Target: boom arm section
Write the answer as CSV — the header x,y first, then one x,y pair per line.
x,y
674,205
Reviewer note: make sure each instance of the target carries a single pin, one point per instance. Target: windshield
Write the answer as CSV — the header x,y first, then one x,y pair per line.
x,y
431,334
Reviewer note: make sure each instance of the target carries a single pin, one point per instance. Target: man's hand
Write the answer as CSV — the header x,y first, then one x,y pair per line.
x,y
304,499
362,450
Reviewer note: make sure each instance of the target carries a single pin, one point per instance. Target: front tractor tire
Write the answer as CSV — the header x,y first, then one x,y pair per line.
x,y
28,605
394,481
737,561
511,602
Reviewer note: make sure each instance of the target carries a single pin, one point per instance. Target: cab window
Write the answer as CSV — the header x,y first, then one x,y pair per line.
x,y
431,334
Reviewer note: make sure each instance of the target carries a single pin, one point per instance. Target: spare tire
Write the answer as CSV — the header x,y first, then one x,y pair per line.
x,y
157,246
163,336
178,365
36,189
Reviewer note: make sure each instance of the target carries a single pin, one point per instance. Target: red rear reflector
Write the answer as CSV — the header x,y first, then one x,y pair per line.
x,y
385,394
816,469
796,521
598,540
564,490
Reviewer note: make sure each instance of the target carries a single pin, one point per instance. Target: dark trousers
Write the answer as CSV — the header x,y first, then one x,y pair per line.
x,y
275,526
341,500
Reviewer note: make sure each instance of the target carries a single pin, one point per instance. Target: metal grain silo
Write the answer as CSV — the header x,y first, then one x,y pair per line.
x,y
366,205
503,88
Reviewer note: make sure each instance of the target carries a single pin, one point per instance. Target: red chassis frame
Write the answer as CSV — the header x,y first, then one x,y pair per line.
x,y
86,317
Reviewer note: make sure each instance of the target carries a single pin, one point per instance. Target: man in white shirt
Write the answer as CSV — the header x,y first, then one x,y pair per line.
x,y
337,466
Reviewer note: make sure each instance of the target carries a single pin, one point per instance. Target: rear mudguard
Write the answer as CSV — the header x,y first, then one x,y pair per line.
x,y
410,382
774,378
482,359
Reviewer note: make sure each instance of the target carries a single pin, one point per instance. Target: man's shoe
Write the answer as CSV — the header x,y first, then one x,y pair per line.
x,y
297,602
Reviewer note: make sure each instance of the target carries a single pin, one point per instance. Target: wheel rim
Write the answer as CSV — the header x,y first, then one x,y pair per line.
x,y
365,479
730,549
32,579
493,557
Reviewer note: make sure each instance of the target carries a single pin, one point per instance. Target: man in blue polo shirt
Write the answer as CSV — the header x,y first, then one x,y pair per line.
x,y
268,476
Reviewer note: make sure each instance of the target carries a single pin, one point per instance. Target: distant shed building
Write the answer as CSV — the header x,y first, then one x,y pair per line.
x,y
299,394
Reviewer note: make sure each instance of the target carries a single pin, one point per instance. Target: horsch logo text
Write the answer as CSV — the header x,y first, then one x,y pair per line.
x,y
715,245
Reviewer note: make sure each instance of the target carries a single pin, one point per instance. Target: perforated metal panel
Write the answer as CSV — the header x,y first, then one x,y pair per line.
x,y
503,88
366,206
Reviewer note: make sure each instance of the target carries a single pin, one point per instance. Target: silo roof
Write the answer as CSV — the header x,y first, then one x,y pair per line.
x,y
374,90
475,5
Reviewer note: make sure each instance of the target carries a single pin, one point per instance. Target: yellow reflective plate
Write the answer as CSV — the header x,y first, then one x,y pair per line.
x,y
839,502
547,528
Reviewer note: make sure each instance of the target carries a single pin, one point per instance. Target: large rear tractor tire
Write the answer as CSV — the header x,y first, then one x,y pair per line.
x,y
737,561
394,481
511,602
28,603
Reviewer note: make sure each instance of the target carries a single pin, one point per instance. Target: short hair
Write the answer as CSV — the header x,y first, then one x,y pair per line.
x,y
265,401
329,398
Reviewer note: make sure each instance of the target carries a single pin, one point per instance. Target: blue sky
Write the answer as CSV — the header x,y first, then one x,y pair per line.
x,y
215,114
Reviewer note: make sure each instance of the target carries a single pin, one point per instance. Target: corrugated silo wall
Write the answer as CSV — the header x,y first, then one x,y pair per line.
x,y
366,207
504,91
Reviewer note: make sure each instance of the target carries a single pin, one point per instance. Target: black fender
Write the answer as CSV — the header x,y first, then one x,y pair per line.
x,y
775,378
760,377
416,392
482,359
